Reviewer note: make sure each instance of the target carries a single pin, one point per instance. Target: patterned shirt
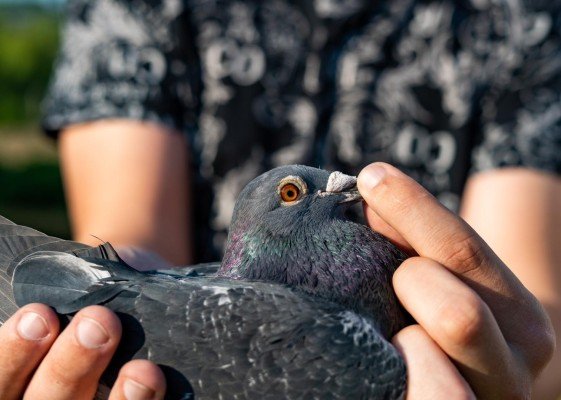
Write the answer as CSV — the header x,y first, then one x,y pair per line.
x,y
441,89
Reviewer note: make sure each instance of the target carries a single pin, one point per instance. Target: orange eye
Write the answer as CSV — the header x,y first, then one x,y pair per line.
x,y
289,192
291,189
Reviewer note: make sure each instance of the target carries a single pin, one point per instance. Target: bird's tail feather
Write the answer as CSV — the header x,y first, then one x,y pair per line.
x,y
17,242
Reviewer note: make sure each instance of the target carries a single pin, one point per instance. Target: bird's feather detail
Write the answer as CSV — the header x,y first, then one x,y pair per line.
x,y
297,308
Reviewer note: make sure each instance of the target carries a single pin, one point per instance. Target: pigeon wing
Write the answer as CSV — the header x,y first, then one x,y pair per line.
x,y
259,340
228,338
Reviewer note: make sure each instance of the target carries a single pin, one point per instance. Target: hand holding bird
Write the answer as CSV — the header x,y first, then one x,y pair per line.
x,y
301,305
483,334
464,304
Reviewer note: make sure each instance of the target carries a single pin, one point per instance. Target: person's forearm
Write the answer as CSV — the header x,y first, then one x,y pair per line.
x,y
141,259
517,212
127,183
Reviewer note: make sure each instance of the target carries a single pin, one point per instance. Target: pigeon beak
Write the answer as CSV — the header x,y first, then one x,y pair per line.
x,y
351,197
341,184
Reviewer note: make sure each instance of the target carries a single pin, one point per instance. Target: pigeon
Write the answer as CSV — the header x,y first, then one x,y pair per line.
x,y
301,306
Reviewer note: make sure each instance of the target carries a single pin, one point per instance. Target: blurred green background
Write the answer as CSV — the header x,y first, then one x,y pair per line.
x,y
30,183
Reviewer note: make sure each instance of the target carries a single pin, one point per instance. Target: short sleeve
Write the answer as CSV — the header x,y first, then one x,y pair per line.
x,y
124,59
521,111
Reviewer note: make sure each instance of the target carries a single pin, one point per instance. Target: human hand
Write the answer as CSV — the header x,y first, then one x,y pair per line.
x,y
480,332
36,362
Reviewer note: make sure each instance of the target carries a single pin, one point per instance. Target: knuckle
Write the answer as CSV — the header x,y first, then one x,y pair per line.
x,y
59,373
65,369
462,320
70,366
464,254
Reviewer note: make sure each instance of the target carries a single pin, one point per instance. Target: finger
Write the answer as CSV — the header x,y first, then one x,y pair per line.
x,y
25,338
139,380
431,229
430,373
73,366
382,227
462,325
436,233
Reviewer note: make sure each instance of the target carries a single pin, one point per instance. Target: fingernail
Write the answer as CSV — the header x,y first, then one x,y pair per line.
x,y
136,391
32,326
371,175
91,334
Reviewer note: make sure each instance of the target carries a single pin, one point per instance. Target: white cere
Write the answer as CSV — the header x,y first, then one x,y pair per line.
x,y
338,182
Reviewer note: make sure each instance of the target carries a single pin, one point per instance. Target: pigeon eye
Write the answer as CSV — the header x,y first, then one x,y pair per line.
x,y
289,192
291,189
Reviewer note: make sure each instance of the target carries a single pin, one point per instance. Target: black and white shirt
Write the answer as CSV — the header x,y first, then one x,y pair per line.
x,y
440,89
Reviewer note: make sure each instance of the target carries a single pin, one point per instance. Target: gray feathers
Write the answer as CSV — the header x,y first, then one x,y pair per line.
x,y
300,308
310,244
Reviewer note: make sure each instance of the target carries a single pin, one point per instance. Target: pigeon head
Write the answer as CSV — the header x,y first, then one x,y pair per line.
x,y
290,227
285,200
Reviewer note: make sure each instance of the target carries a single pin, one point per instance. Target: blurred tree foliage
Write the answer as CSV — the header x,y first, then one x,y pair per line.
x,y
28,45
30,183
